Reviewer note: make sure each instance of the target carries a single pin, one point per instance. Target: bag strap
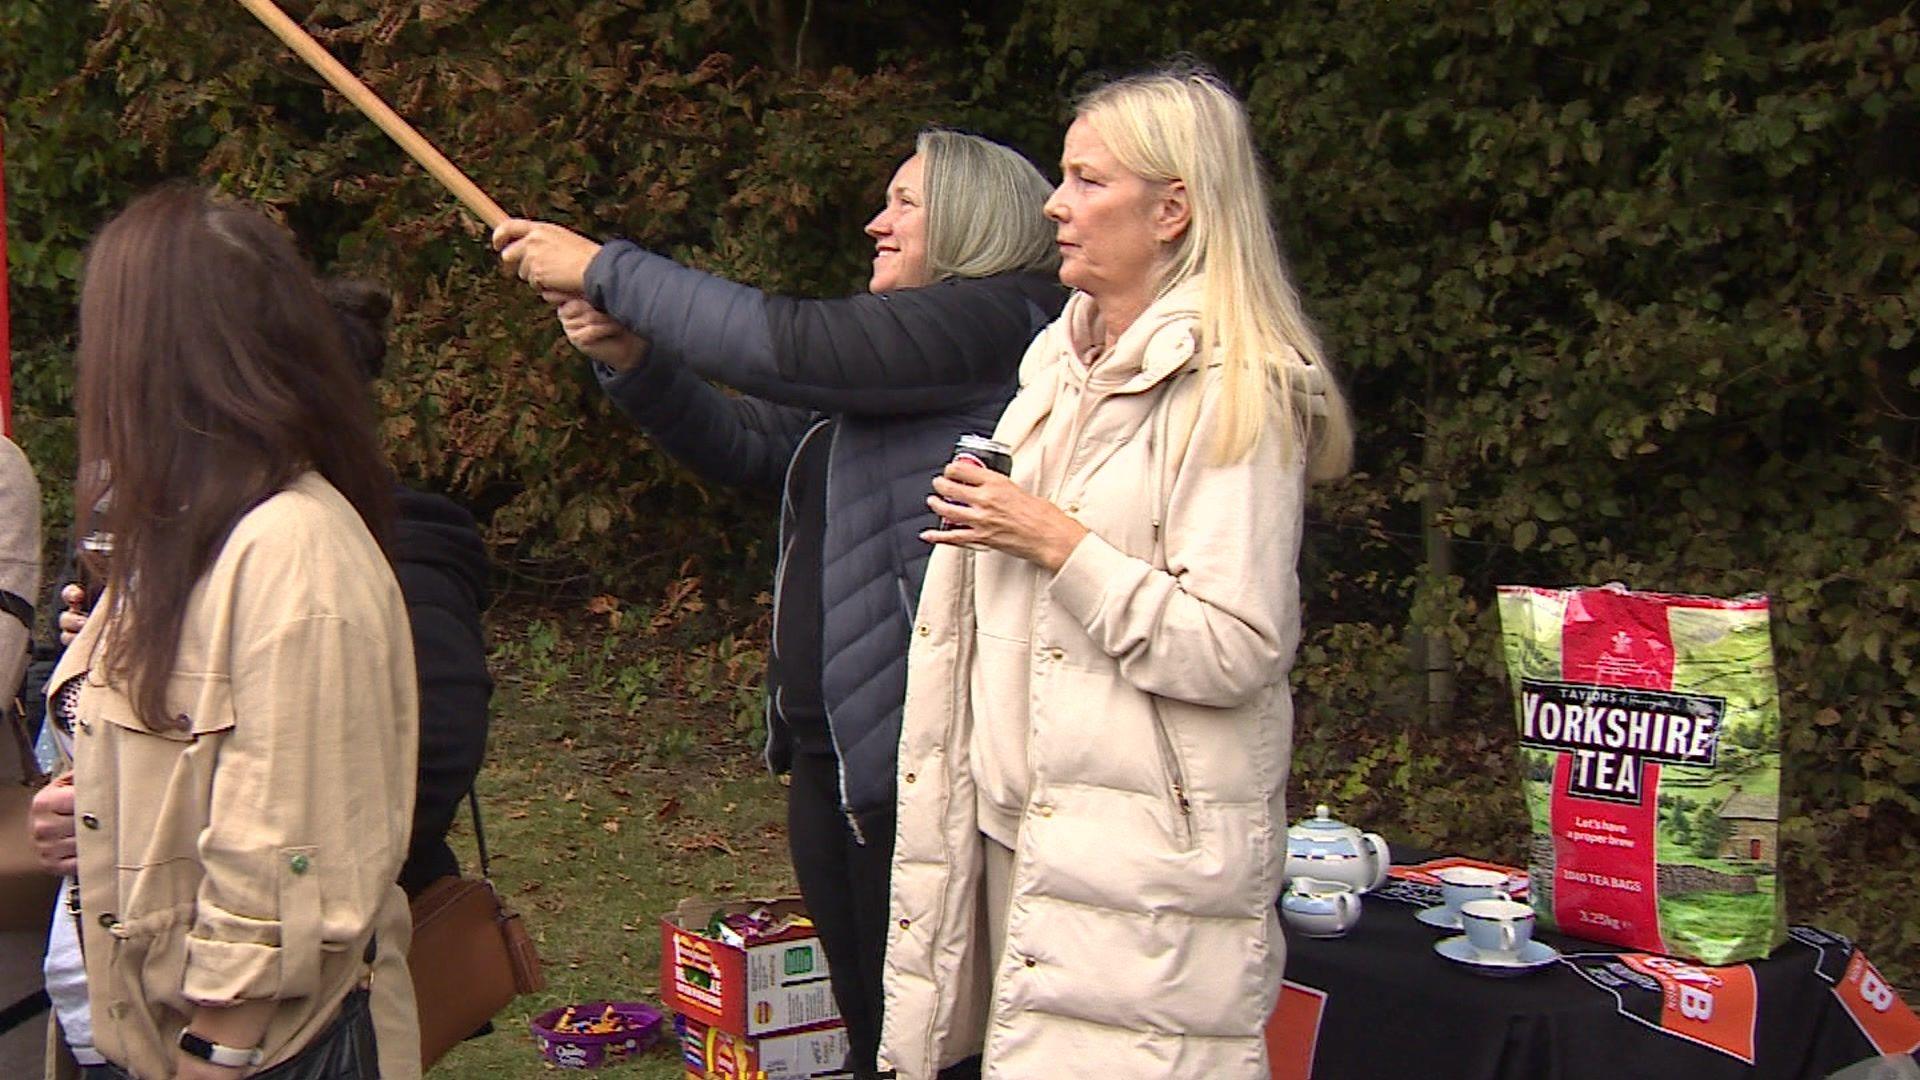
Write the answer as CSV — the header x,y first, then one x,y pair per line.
x,y
30,774
19,607
479,833
12,707
522,955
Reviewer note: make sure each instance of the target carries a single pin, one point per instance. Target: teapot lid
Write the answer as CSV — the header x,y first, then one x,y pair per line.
x,y
1322,821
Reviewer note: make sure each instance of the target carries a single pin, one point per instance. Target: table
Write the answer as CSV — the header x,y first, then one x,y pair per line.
x,y
1381,1003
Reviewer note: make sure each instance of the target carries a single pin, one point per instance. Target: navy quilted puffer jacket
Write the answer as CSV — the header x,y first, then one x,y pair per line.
x,y
889,381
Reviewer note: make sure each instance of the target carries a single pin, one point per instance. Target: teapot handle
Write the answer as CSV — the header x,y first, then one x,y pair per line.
x,y
1345,902
1382,859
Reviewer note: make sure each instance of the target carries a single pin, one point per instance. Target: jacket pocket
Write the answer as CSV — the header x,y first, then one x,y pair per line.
x,y
1176,777
198,703
201,703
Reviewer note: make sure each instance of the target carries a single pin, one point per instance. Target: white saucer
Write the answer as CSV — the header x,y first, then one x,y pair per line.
x,y
1439,917
1533,956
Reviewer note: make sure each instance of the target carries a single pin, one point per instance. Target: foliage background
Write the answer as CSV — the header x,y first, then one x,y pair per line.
x,y
1624,291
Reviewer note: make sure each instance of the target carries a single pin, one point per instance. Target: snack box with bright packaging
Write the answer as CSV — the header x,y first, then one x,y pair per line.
x,y
818,1053
746,967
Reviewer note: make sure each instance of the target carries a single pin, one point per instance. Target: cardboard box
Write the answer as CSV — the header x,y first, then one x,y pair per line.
x,y
774,985
809,1054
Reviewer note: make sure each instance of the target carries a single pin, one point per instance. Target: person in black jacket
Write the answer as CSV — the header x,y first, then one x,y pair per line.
x,y
847,406
442,567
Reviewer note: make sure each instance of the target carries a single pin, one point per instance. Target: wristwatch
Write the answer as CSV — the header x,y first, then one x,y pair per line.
x,y
227,1057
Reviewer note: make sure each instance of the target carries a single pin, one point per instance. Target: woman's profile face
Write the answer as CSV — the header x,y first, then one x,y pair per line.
x,y
1106,218
899,231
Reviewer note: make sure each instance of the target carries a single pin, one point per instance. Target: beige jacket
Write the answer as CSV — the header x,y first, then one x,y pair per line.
x,y
19,565
20,951
248,849
1141,937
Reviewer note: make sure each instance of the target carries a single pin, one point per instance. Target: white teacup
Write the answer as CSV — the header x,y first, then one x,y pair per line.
x,y
1459,884
1497,928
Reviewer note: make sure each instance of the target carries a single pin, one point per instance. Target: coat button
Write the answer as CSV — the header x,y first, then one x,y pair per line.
x,y
1043,809
107,920
1057,653
183,722
1073,508
86,726
298,864
1031,962
909,778
90,821
923,629
904,923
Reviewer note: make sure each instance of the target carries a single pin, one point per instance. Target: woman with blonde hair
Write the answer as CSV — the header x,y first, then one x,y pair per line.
x,y
1098,724
848,405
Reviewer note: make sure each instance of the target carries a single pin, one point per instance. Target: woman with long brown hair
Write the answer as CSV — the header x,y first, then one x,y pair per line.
x,y
240,709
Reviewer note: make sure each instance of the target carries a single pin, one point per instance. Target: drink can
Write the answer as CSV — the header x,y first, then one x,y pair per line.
x,y
985,453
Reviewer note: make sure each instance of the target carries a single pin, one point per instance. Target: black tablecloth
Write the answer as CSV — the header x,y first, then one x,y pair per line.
x,y
1394,1007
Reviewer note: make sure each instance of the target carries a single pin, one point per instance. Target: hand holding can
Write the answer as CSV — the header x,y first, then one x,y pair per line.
x,y
984,452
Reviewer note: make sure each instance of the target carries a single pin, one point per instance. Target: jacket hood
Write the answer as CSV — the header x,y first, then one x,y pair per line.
x,y
1161,342
1158,343
434,531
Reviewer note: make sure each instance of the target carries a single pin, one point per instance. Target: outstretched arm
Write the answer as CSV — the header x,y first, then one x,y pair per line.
x,y
915,350
726,439
955,342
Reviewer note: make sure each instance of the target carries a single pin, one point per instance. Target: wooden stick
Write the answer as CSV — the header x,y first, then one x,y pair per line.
x,y
416,146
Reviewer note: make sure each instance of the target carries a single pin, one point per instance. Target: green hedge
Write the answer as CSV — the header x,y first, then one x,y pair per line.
x,y
1624,290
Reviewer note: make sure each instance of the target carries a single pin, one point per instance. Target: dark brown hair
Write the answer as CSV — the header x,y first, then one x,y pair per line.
x,y
211,375
362,309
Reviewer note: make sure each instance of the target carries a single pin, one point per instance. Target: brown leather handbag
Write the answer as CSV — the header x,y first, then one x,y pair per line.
x,y
471,955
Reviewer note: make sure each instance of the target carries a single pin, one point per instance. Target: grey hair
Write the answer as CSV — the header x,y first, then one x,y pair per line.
x,y
985,208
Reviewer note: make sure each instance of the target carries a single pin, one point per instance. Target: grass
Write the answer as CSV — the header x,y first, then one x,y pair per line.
x,y
616,785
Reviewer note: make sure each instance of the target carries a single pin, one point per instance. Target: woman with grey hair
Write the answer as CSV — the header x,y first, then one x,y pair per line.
x,y
847,406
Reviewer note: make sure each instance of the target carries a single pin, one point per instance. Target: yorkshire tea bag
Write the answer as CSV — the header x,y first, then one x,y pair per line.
x,y
1650,741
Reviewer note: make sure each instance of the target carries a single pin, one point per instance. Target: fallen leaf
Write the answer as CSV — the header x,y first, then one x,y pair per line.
x,y
611,825
703,841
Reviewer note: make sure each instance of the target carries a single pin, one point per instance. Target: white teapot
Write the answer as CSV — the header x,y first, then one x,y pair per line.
x,y
1327,850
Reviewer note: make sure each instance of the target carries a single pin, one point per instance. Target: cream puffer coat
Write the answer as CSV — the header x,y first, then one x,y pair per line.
x,y
1142,940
